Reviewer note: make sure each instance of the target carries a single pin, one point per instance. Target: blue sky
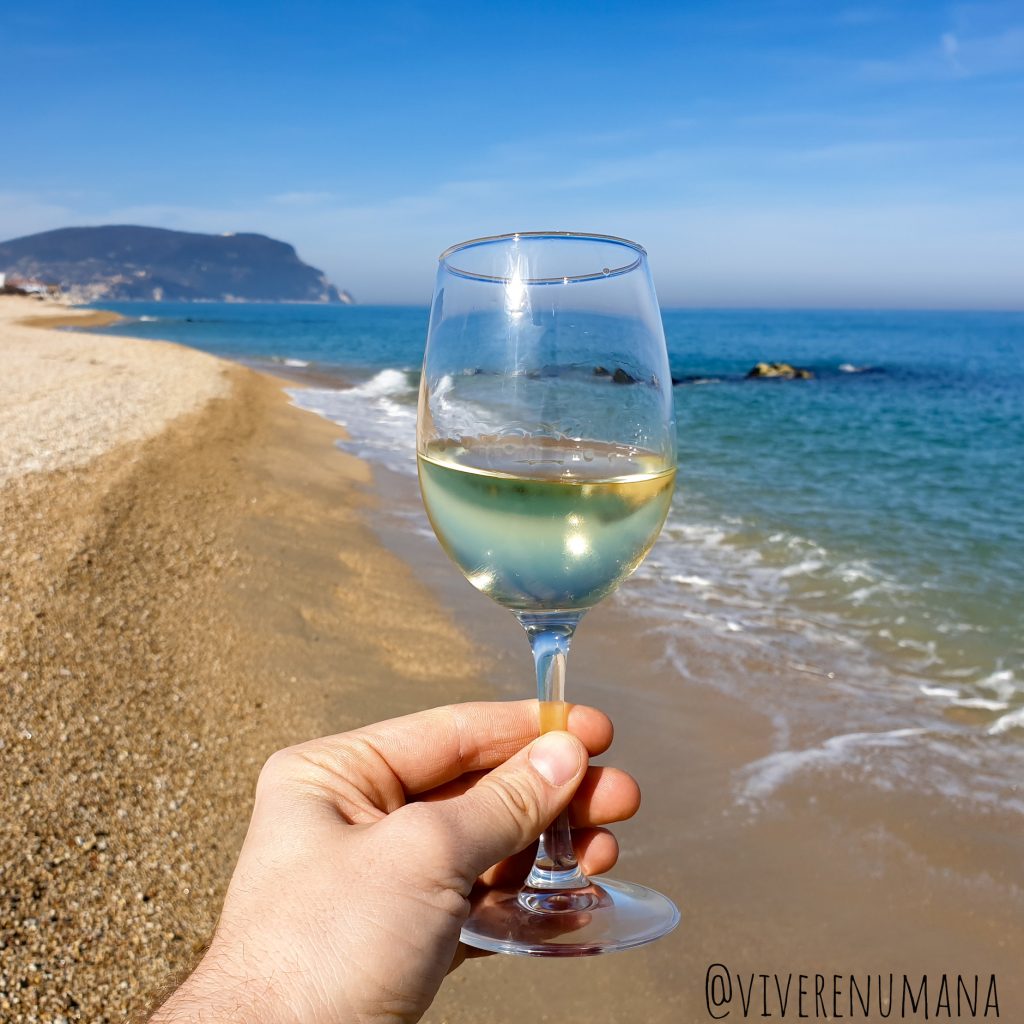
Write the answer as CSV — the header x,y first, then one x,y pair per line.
x,y
767,154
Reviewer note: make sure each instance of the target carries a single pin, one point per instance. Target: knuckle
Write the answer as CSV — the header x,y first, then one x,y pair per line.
x,y
278,767
284,768
518,801
350,757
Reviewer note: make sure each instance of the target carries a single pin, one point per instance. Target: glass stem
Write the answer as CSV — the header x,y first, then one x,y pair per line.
x,y
555,867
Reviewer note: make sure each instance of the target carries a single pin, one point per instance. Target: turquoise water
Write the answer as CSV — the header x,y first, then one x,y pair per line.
x,y
871,519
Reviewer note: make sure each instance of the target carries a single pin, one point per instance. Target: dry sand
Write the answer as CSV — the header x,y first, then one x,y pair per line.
x,y
63,403
191,599
172,612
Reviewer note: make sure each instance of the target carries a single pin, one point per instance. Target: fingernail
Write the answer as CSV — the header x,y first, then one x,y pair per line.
x,y
556,756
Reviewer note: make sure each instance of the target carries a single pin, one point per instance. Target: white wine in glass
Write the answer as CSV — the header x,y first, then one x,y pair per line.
x,y
547,462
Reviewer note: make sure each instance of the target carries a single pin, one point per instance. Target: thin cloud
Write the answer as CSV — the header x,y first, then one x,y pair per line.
x,y
625,170
954,56
1002,53
886,150
855,16
951,49
302,198
24,214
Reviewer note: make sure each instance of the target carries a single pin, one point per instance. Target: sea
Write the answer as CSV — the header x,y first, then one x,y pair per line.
x,y
844,553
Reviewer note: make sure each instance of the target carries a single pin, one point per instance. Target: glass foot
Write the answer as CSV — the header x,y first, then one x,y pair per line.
x,y
605,916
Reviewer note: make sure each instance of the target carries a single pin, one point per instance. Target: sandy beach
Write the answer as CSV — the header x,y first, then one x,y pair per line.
x,y
190,579
198,593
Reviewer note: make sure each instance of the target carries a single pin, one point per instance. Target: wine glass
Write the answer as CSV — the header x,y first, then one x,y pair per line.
x,y
546,448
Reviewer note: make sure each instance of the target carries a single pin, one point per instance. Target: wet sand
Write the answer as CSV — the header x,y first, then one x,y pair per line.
x,y
826,877
189,600
71,317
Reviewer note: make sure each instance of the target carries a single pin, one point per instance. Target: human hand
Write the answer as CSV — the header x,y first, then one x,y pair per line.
x,y
354,878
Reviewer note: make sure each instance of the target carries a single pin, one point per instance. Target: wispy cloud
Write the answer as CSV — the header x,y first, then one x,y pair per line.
x,y
954,55
856,16
861,151
951,50
24,214
991,55
641,167
302,198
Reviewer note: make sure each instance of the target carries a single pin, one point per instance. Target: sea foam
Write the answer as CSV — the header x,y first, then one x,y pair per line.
x,y
765,776
378,414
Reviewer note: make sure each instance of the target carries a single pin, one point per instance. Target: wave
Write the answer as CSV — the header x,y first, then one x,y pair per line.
x,y
772,594
1002,683
378,414
690,581
980,703
955,697
1012,720
763,777
939,691
386,383
771,609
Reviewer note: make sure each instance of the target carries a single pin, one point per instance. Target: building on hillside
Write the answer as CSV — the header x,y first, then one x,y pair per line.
x,y
13,285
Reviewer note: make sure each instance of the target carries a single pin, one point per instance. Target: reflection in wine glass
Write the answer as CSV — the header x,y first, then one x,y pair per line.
x,y
547,462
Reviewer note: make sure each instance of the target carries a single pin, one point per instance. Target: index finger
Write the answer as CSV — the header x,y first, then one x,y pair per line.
x,y
429,748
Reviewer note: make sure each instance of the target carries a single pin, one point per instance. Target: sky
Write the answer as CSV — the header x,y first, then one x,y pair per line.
x,y
767,154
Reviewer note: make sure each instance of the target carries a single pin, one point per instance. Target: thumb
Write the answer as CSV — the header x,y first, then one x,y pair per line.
x,y
510,806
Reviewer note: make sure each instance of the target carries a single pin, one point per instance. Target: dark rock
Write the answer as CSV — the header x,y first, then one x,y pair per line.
x,y
600,371
621,377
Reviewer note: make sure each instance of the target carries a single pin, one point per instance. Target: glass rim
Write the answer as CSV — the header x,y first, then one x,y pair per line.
x,y
600,275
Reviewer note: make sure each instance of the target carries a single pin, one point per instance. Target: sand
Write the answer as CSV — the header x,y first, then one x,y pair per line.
x,y
62,403
173,611
207,587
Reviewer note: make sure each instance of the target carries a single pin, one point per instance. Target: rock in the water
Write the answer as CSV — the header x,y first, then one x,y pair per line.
x,y
620,376
783,371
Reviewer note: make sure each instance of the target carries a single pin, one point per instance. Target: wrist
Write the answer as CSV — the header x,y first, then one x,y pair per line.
x,y
215,992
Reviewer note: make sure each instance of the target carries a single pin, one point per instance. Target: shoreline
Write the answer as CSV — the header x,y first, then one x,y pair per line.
x,y
228,513
827,876
841,705
74,317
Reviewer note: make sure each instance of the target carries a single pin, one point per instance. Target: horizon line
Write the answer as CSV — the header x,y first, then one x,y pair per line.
x,y
740,308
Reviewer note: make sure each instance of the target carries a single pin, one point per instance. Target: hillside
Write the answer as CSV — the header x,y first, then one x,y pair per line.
x,y
127,262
